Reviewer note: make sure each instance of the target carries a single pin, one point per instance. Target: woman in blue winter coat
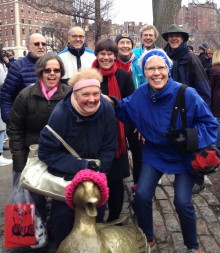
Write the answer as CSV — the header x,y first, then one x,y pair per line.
x,y
86,121
150,108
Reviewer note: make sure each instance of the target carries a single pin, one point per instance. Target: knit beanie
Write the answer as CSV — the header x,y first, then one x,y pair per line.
x,y
203,47
124,36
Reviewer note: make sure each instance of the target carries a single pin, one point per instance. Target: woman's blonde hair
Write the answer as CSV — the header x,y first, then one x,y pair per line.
x,y
216,58
85,74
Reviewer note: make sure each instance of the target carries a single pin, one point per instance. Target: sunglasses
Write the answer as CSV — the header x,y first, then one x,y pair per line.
x,y
37,44
55,71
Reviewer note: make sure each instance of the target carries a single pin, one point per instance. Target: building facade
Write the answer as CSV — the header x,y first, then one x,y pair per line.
x,y
19,20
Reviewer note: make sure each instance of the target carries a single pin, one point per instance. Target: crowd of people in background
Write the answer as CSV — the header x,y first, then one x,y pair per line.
x,y
132,79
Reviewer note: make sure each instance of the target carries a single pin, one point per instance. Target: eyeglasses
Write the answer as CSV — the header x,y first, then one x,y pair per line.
x,y
37,44
49,71
109,54
77,36
153,69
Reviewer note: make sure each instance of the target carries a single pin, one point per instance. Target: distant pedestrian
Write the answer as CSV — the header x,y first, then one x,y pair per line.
x,y
3,71
215,86
9,58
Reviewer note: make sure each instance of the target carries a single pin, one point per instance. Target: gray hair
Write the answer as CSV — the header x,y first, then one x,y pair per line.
x,y
149,27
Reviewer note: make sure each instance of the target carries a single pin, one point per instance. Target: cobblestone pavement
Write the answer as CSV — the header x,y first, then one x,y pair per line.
x,y
167,230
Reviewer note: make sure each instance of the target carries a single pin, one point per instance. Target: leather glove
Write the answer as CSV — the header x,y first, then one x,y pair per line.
x,y
92,165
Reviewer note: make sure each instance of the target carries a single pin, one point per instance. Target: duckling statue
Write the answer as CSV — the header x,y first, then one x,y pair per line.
x,y
87,191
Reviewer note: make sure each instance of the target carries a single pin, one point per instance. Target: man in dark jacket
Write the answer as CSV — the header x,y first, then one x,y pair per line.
x,y
187,69
21,73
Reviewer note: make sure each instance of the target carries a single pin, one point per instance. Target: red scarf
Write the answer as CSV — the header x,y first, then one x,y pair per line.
x,y
113,90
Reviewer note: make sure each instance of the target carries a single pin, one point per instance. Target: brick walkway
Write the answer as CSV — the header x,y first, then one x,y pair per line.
x,y
167,230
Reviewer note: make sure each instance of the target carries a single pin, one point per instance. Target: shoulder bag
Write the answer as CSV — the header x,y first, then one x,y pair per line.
x,y
36,178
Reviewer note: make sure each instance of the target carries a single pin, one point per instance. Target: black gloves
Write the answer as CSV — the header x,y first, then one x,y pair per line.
x,y
92,165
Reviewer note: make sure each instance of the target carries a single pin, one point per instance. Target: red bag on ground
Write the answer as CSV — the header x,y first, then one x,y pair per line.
x,y
19,225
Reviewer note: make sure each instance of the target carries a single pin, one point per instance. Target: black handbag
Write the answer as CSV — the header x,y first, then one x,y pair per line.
x,y
185,139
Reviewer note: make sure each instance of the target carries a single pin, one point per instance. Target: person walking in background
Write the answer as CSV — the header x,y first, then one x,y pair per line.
x,y
3,71
215,88
116,82
187,69
127,61
21,73
9,58
202,54
30,113
150,108
208,65
76,55
86,121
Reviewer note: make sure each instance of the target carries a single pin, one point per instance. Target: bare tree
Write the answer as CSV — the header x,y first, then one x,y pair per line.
x,y
82,11
165,13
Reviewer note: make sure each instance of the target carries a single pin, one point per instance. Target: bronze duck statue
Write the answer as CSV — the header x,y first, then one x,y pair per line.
x,y
87,191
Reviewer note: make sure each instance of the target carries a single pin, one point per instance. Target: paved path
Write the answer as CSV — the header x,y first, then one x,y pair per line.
x,y
167,230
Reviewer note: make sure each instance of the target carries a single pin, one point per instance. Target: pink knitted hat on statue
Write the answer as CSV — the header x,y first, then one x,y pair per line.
x,y
87,175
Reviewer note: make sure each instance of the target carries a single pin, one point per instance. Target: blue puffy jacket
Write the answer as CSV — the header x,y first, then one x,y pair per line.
x,y
20,75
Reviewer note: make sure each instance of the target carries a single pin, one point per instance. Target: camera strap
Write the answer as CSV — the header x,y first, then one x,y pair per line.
x,y
179,106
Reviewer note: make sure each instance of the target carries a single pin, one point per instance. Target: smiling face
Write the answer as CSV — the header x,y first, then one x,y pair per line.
x,y
105,59
148,39
175,39
88,99
37,45
51,74
76,37
124,47
156,72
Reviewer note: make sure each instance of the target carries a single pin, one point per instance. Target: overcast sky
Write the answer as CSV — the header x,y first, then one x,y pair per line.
x,y
136,10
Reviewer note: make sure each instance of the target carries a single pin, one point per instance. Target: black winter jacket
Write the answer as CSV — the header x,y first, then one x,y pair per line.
x,y
120,166
20,75
29,115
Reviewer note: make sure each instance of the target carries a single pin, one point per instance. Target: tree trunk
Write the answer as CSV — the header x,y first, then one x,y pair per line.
x,y
165,13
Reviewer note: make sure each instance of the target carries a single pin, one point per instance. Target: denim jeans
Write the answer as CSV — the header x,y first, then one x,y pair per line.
x,y
145,191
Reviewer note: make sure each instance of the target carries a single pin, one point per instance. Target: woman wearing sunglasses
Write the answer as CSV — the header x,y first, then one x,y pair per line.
x,y
30,113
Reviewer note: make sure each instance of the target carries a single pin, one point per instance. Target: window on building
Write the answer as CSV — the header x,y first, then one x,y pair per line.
x,y
6,21
29,10
0,22
23,31
23,42
29,21
12,43
12,20
6,43
22,10
30,31
22,20
12,32
0,32
6,32
12,10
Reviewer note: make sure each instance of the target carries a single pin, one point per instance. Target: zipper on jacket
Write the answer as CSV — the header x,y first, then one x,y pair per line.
x,y
153,98
48,104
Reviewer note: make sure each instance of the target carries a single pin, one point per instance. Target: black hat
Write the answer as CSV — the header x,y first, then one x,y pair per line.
x,y
124,36
203,47
175,29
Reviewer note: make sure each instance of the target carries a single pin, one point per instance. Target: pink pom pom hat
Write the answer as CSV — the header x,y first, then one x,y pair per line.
x,y
87,175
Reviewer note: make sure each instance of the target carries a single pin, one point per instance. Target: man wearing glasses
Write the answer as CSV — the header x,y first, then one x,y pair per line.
x,y
21,73
76,55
